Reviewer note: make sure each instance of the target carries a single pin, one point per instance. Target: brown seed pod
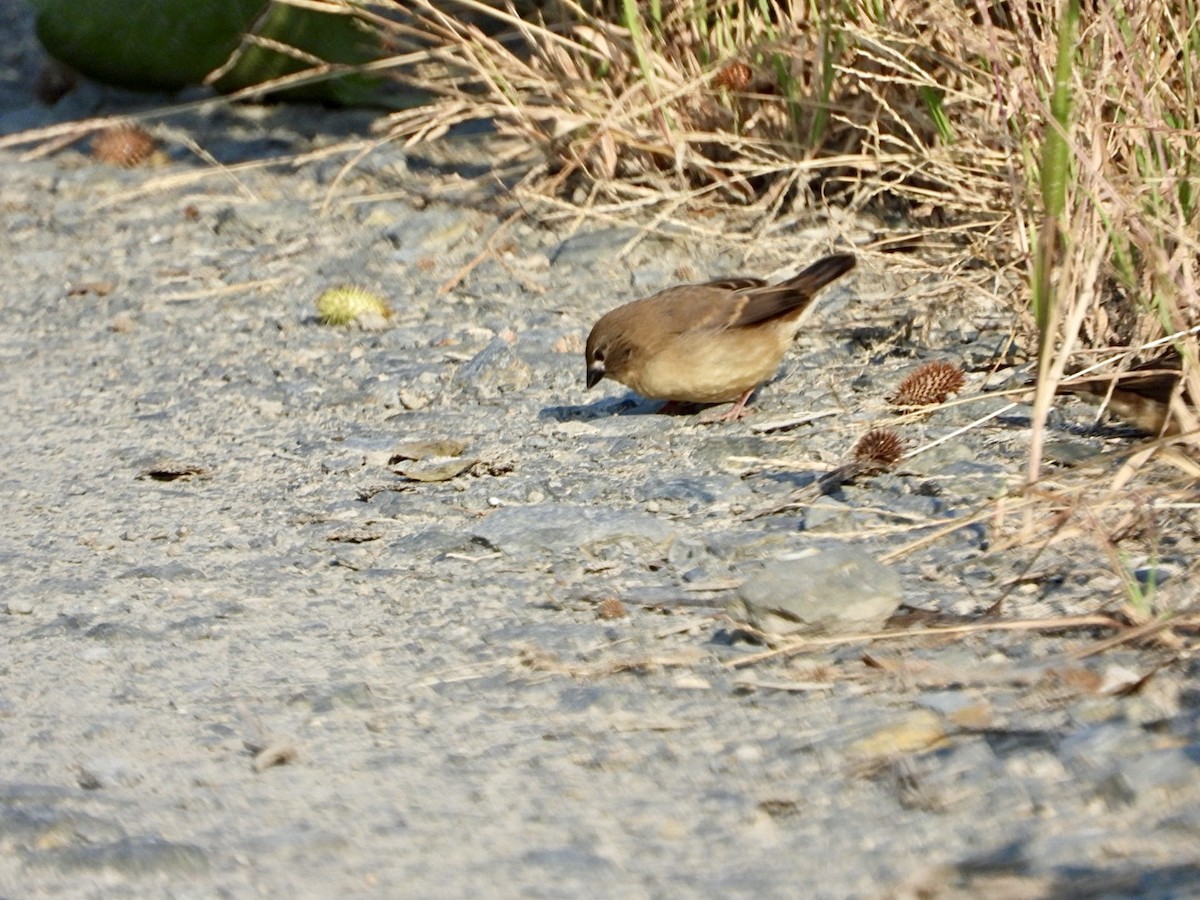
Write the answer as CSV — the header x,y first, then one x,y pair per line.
x,y
611,608
929,385
878,451
123,145
735,76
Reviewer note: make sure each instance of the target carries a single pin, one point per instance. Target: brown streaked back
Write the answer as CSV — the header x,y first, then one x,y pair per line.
x,y
769,302
731,302
1155,379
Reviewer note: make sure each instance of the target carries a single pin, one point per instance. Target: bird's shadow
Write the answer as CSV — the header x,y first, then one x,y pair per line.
x,y
1059,422
629,405
789,480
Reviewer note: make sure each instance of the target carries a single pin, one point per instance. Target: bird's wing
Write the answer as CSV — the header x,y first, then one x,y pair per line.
x,y
728,303
711,306
1155,379
761,303
733,284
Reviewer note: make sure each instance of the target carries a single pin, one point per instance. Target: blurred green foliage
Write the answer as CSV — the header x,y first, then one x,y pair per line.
x,y
155,45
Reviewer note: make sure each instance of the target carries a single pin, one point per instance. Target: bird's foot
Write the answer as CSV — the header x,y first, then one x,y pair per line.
x,y
735,412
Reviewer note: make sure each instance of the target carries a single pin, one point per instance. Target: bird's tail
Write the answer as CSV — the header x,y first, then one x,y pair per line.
x,y
792,299
820,273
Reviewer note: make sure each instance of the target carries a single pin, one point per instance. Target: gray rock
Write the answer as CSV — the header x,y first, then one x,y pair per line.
x,y
108,772
700,490
966,479
434,230
1162,770
172,571
828,514
562,527
1068,450
325,698
592,247
429,542
21,604
834,591
346,462
1096,747
494,370
130,856
44,824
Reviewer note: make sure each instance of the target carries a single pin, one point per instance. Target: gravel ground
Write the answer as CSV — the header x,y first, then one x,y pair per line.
x,y
244,656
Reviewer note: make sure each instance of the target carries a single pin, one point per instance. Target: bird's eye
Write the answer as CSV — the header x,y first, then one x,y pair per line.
x,y
598,356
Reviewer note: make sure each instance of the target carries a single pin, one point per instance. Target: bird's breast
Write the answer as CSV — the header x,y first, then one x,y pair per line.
x,y
708,366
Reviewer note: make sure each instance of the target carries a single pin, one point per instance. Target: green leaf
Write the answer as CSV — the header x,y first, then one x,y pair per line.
x,y
146,45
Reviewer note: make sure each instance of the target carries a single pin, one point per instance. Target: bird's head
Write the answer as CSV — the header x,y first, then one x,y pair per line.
x,y
607,352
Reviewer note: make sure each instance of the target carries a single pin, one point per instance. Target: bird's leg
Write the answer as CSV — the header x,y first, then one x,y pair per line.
x,y
737,411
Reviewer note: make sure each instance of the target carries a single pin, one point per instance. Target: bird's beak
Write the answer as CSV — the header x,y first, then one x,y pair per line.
x,y
594,374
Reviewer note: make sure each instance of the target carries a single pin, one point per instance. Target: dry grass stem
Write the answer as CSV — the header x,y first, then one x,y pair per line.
x,y
796,646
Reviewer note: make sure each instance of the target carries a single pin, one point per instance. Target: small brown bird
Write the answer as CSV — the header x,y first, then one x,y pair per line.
x,y
1141,396
706,343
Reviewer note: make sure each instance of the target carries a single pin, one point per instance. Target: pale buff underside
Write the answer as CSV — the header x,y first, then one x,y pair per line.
x,y
710,366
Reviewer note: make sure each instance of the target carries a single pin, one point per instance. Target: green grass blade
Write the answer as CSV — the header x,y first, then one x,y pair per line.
x,y
1056,165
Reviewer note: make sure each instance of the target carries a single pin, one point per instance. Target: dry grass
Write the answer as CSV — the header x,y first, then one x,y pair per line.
x,y
933,117
1118,260
730,106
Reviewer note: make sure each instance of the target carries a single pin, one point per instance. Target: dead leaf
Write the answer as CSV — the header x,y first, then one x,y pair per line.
x,y
435,469
977,716
1121,681
356,536
274,755
168,470
99,288
493,467
1074,678
919,730
417,450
